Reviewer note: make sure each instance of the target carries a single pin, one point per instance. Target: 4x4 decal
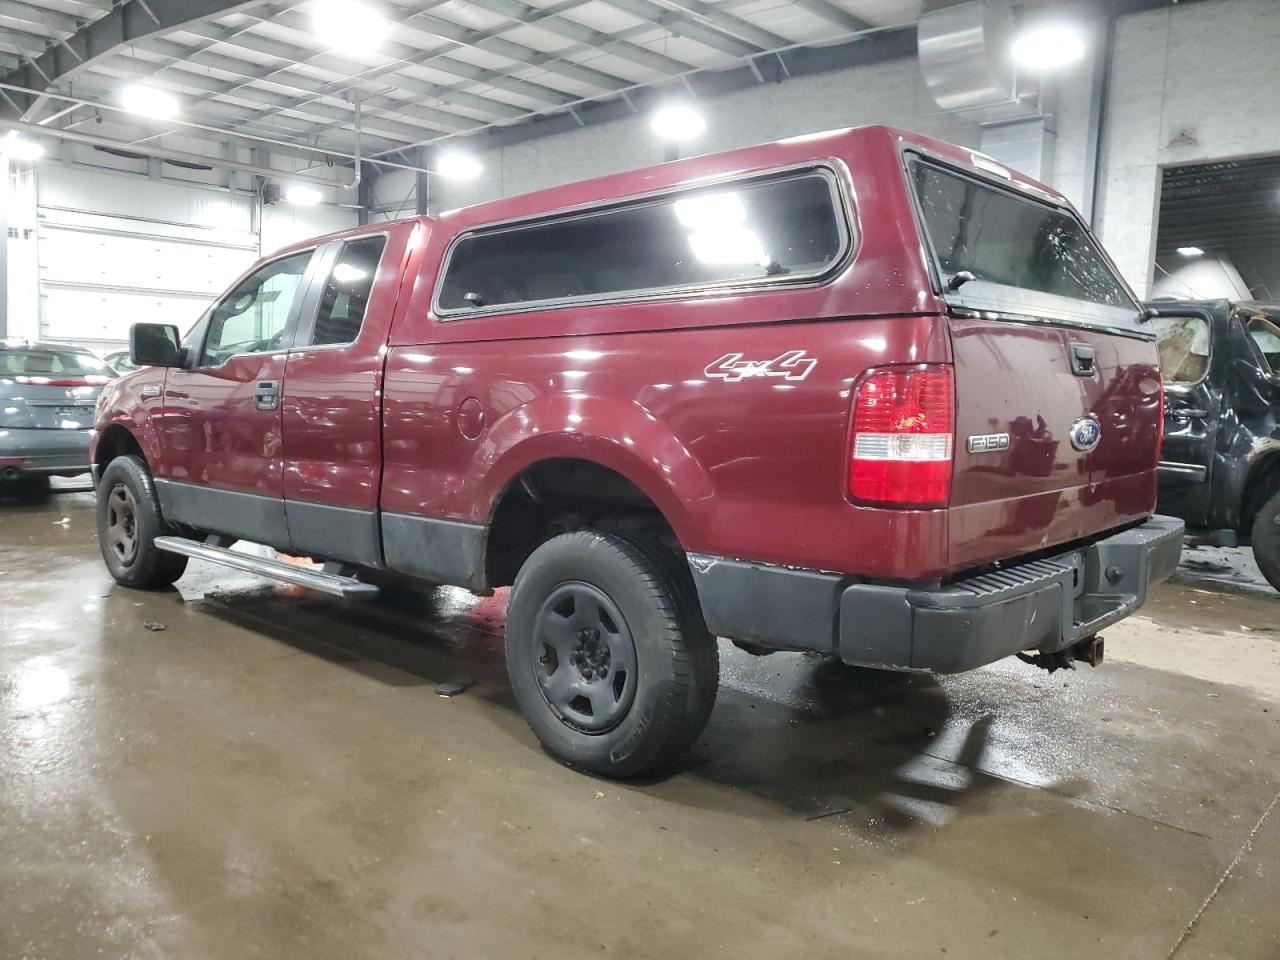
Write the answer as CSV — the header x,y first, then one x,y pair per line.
x,y
731,368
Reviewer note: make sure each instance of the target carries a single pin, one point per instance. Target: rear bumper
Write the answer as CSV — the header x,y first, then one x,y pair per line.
x,y
1045,605
44,451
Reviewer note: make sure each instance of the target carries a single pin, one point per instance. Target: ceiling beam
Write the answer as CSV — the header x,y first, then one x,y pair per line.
x,y
27,15
129,22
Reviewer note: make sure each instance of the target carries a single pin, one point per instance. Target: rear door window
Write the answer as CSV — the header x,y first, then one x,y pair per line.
x,y
1026,256
780,229
1184,347
345,298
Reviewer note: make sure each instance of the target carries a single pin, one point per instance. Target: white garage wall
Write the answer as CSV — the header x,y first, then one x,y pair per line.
x,y
115,247
1189,84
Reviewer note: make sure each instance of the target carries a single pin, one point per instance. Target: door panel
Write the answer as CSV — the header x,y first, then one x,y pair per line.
x,y
221,421
331,407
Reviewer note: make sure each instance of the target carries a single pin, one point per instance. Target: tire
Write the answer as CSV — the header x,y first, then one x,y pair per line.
x,y
609,658
129,520
1266,540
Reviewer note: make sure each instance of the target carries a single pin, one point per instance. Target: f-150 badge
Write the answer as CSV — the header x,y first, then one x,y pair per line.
x,y
731,368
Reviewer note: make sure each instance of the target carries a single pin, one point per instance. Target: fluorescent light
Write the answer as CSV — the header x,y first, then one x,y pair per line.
x,y
348,273
1049,46
458,166
678,122
711,210
727,246
149,102
19,148
303,196
348,26
1191,251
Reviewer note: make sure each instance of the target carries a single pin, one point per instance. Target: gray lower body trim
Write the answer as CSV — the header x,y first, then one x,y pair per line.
x,y
1045,605
335,533
440,551
247,516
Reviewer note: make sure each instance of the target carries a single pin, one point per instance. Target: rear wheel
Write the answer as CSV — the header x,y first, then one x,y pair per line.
x,y
1266,540
609,659
129,520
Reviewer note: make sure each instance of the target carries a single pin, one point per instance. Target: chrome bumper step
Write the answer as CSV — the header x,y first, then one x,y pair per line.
x,y
331,583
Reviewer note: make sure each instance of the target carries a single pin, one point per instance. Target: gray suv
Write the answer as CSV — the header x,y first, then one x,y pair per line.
x,y
48,392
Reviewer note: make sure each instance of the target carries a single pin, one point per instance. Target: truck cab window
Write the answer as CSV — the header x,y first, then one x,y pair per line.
x,y
252,318
1184,348
346,294
1266,334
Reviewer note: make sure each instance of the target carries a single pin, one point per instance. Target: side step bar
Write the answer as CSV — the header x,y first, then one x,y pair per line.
x,y
330,583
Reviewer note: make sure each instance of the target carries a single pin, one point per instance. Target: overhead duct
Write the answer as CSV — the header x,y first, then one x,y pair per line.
x,y
966,56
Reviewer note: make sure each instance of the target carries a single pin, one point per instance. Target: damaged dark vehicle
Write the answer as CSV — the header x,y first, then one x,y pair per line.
x,y
1220,460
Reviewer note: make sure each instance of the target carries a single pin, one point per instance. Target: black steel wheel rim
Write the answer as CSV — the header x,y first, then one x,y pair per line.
x,y
584,657
122,524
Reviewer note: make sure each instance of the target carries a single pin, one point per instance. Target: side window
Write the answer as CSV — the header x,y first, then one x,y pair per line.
x,y
1266,334
252,317
1184,348
776,229
346,295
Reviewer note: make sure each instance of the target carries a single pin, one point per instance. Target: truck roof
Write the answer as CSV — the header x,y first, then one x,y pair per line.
x,y
846,144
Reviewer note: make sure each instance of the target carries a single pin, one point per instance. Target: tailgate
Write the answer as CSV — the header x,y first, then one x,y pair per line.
x,y
1025,475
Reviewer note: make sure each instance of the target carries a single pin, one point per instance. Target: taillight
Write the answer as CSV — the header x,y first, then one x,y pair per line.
x,y
903,437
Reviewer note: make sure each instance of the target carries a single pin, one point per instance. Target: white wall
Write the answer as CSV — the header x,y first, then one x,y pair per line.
x,y
1190,84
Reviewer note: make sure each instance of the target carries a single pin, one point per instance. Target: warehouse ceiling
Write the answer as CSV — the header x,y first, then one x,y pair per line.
x,y
446,68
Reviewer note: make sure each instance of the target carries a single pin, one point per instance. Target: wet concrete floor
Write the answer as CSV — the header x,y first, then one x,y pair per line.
x,y
272,775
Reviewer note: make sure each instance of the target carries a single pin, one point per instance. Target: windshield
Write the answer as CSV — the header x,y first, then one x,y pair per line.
x,y
1023,256
46,364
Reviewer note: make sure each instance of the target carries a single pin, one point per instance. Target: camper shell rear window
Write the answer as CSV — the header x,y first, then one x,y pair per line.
x,y
1025,255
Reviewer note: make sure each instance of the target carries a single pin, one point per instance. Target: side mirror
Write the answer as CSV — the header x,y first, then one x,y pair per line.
x,y
154,345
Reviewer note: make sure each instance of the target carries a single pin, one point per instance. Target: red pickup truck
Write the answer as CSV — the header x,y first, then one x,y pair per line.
x,y
860,393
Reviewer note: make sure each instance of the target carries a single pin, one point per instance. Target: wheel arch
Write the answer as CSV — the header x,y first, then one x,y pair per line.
x,y
1262,483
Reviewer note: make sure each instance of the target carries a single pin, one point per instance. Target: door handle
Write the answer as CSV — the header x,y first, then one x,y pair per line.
x,y
1082,357
266,395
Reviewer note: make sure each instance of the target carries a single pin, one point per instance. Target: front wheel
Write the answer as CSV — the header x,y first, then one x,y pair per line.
x,y
609,659
129,520
1266,540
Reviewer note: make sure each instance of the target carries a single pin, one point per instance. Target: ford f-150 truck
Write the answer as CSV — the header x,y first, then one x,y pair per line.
x,y
860,393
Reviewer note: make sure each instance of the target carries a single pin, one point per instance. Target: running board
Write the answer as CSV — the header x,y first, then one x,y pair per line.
x,y
330,583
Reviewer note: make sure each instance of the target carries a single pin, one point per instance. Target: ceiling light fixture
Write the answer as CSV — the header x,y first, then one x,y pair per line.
x,y
678,122
458,166
303,196
149,102
348,26
16,147
1048,47
1191,251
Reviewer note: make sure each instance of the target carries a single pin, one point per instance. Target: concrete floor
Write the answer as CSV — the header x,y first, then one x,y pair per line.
x,y
272,775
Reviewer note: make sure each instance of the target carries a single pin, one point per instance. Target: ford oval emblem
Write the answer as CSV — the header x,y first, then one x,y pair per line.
x,y
1085,434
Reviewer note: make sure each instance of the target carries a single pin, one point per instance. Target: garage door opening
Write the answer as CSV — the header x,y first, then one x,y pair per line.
x,y
1219,233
